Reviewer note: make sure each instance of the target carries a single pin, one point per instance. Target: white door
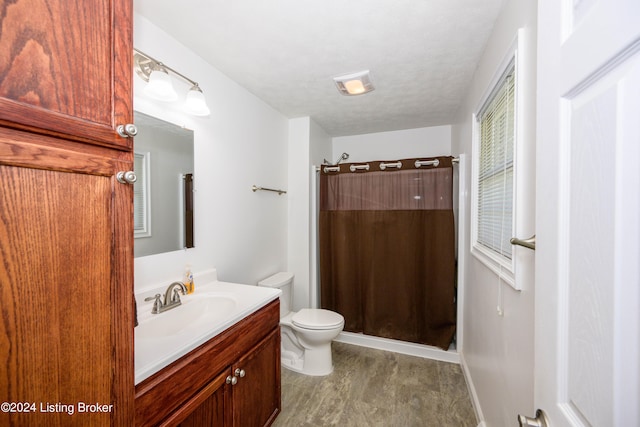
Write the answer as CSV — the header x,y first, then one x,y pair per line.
x,y
588,212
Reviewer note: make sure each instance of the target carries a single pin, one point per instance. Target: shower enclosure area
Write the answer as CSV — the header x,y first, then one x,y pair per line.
x,y
387,248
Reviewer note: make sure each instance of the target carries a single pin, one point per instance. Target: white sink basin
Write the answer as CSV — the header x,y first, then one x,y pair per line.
x,y
192,314
165,337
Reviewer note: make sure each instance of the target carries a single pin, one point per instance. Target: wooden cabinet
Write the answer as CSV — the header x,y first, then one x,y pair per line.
x,y
232,380
256,395
66,334
211,406
66,249
66,67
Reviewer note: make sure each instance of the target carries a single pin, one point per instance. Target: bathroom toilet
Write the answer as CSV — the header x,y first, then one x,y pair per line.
x,y
306,334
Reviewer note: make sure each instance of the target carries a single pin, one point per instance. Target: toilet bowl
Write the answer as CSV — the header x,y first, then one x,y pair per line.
x,y
306,334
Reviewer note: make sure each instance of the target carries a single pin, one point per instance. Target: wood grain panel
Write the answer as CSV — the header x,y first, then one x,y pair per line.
x,y
209,407
49,61
66,269
122,300
66,235
256,397
36,151
56,333
65,68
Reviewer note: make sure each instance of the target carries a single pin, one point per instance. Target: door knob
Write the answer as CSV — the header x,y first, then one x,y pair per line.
x,y
240,373
527,243
540,420
127,130
128,177
232,380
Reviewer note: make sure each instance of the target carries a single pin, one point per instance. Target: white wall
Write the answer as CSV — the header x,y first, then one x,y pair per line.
x,y
497,351
393,145
244,142
308,145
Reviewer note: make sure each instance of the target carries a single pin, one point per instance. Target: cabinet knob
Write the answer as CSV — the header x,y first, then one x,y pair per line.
x,y
232,380
240,373
128,177
127,130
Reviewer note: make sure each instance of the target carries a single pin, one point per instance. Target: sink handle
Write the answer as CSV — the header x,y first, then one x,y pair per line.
x,y
157,304
175,297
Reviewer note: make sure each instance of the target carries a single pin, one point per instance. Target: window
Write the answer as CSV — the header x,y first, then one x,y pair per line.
x,y
141,206
495,130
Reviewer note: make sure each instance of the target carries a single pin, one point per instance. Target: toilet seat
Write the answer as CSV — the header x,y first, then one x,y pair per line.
x,y
317,319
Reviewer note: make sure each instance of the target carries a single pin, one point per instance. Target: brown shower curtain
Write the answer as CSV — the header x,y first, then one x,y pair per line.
x,y
387,251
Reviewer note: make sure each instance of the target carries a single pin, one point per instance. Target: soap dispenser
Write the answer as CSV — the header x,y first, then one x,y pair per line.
x,y
188,280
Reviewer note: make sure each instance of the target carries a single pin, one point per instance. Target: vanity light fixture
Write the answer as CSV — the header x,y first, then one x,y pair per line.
x,y
160,87
354,84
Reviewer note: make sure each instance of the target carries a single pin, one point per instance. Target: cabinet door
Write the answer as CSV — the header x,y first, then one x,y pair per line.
x,y
66,274
209,407
66,67
256,396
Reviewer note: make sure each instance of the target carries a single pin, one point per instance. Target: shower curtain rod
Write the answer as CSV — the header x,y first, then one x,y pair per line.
x,y
383,166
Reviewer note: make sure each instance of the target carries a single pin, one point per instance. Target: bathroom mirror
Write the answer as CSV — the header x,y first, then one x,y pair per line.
x,y
163,192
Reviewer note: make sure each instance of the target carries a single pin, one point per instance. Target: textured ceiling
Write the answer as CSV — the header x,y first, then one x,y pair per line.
x,y
421,54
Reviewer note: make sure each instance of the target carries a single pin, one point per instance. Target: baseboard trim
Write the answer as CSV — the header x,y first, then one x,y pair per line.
x,y
411,349
472,391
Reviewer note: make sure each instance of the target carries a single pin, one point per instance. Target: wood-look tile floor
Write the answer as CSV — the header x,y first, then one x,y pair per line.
x,y
371,387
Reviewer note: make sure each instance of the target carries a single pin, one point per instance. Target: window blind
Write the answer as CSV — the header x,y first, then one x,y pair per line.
x,y
495,176
139,196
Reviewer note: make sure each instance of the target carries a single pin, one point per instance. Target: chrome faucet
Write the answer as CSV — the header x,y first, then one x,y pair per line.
x,y
171,298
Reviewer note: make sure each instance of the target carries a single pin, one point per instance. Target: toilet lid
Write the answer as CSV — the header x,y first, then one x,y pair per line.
x,y
317,318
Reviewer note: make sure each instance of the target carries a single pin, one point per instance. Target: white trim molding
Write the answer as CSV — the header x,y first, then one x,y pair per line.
x,y
403,347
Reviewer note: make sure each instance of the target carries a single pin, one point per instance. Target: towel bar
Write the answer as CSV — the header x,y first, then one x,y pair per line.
x,y
280,192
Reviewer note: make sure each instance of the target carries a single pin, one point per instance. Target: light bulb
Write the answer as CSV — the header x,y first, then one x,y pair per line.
x,y
354,87
196,103
160,86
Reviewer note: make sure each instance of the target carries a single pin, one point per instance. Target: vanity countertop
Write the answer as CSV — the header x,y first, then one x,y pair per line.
x,y
161,339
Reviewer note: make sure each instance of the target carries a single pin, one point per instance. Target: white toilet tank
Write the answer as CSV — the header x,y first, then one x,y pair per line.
x,y
282,281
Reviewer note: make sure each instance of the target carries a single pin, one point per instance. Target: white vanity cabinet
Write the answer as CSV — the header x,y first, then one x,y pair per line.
x,y
231,380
